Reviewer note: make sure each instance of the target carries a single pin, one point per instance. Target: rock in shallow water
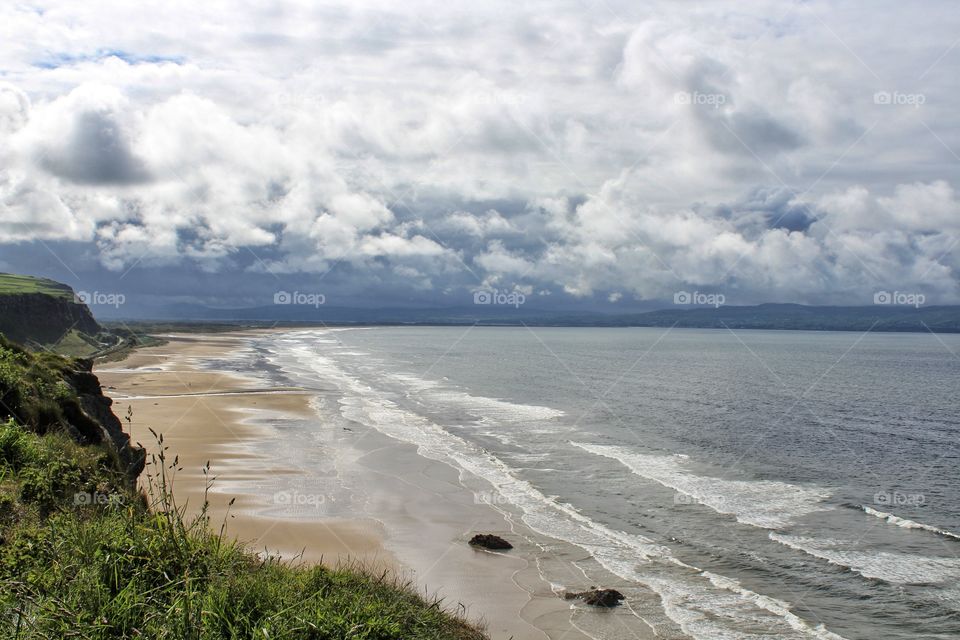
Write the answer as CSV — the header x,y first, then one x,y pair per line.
x,y
598,597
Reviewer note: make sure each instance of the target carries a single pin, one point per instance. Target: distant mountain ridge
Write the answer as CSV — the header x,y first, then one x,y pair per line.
x,y
49,314
784,316
944,319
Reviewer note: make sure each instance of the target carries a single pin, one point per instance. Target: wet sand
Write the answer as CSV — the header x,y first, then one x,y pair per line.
x,y
416,517
203,416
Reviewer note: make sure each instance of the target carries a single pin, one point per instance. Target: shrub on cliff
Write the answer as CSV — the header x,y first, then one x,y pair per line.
x,y
32,387
49,393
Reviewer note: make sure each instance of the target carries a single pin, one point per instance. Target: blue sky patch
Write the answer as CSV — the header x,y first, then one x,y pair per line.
x,y
64,59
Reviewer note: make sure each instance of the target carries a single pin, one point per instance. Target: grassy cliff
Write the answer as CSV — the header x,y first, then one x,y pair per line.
x,y
46,314
11,283
84,555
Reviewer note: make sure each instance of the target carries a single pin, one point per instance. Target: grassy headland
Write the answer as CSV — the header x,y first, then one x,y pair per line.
x,y
83,554
47,315
11,283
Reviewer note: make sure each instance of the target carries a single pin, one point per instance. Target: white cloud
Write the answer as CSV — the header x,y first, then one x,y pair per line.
x,y
549,147
14,108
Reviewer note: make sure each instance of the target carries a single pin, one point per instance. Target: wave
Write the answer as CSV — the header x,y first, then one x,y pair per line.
x,y
896,568
773,605
908,524
703,605
413,383
501,410
434,392
760,503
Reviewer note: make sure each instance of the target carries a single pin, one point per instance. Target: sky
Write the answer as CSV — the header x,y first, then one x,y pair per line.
x,y
582,155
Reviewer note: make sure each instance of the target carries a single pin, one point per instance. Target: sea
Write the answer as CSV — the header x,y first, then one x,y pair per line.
x,y
732,484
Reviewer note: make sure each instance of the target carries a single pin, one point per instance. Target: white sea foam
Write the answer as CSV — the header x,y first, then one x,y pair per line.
x,y
772,605
897,568
501,410
529,457
908,524
433,392
760,503
704,605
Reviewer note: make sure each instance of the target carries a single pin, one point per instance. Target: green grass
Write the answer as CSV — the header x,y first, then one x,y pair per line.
x,y
132,340
34,389
41,473
83,555
120,565
13,284
75,344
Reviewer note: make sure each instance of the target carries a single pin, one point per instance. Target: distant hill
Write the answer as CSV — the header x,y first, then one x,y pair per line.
x,y
42,313
941,319
46,314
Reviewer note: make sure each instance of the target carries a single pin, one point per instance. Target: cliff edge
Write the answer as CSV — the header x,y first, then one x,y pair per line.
x,y
41,312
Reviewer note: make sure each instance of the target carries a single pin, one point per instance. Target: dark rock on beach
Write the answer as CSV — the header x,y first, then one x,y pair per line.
x,y
597,597
490,541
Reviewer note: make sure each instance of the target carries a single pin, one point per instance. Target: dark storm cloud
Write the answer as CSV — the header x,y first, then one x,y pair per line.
x,y
769,208
95,153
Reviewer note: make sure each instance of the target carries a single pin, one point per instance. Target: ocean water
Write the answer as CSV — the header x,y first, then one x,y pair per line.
x,y
755,484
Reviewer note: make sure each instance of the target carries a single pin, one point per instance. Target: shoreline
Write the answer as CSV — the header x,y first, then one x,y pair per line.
x,y
205,416
412,518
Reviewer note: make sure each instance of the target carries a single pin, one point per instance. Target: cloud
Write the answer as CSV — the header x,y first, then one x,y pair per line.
x,y
83,138
583,154
14,108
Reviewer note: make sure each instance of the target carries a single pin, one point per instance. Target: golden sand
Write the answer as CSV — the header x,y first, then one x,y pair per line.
x,y
200,414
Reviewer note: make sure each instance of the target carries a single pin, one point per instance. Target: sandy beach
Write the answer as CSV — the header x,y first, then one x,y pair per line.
x,y
415,519
202,416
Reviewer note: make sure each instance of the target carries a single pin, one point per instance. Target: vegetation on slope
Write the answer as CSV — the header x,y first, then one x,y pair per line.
x,y
33,387
83,555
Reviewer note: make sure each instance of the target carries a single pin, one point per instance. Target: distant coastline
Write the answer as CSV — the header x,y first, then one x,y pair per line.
x,y
53,315
769,316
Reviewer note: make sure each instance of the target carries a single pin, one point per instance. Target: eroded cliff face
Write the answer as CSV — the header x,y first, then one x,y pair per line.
x,y
43,393
42,318
92,420
32,387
